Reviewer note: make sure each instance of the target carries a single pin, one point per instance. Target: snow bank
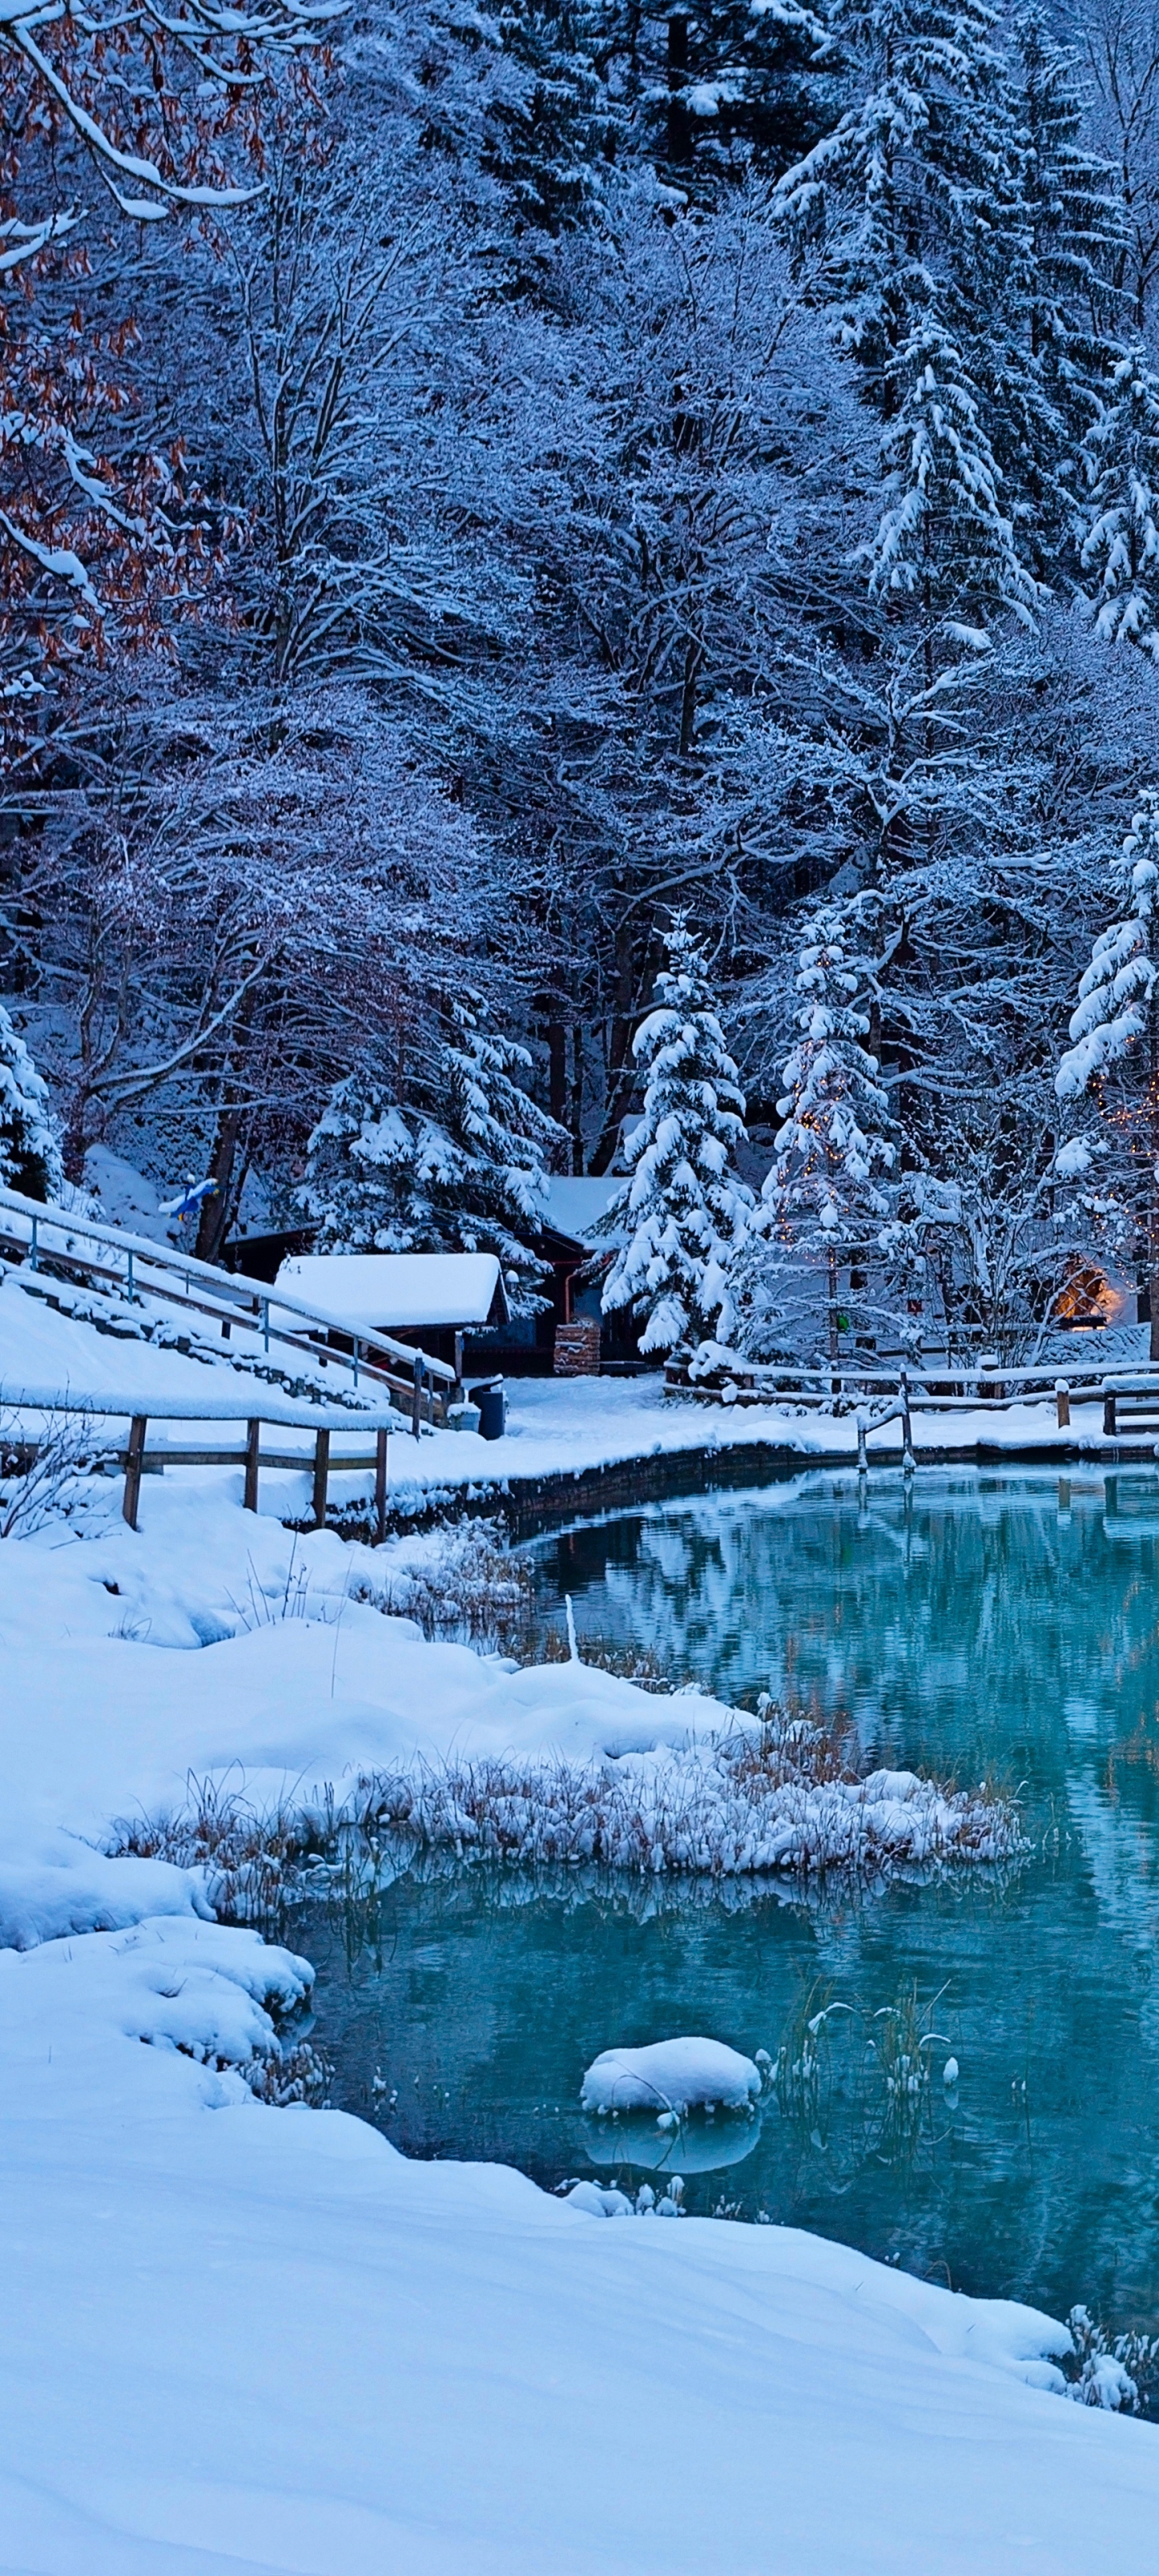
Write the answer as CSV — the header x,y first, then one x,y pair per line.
x,y
276,2345
671,2075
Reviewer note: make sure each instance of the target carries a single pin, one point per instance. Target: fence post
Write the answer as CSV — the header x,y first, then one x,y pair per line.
x,y
416,1421
132,1294
1109,1431
133,1457
381,1439
253,1434
908,1461
34,1255
321,1473
356,1359
266,1323
1062,1400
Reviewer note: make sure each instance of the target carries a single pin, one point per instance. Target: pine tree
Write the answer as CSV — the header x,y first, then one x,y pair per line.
x,y
916,201
558,127
745,84
455,1166
826,1188
943,534
685,1208
29,1148
1119,531
1114,1050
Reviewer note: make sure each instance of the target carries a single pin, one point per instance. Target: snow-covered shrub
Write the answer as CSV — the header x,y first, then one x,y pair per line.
x,y
684,1210
301,2073
1117,2372
40,1484
468,1587
29,1146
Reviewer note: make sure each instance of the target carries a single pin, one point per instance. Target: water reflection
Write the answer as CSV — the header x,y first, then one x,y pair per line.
x,y
697,2146
1001,1626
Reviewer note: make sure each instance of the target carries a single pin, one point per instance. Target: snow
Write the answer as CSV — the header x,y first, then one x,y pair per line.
x,y
244,2338
671,2075
397,1291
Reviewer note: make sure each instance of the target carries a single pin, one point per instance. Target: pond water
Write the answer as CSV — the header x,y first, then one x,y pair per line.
x,y
1003,1626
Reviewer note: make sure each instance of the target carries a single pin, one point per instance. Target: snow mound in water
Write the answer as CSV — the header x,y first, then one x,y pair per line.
x,y
672,2075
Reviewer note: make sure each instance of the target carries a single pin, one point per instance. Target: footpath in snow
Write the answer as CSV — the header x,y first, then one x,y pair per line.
x,y
243,2337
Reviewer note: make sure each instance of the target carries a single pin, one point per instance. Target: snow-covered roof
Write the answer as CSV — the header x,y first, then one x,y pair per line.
x,y
575,1207
397,1291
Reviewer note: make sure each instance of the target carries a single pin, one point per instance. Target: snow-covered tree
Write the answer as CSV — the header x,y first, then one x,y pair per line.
x,y
827,1191
1114,1051
684,1210
29,1146
1119,530
944,535
449,1161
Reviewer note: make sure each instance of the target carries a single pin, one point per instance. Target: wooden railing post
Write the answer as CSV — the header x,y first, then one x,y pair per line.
x,y
416,1420
133,1457
1109,1432
1062,1401
381,1439
321,1473
253,1434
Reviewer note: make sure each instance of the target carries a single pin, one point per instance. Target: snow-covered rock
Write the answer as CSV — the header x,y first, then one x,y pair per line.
x,y
672,2075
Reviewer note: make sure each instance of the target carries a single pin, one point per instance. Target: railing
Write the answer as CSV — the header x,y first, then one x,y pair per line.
x,y
928,1386
136,1459
141,1268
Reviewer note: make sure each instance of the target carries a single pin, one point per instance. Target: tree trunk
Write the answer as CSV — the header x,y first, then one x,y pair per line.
x,y
214,1219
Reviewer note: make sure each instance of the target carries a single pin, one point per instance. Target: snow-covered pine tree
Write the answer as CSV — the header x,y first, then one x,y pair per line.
x,y
29,1147
456,1165
685,1208
914,206
826,1192
1050,355
943,536
1114,1050
1118,534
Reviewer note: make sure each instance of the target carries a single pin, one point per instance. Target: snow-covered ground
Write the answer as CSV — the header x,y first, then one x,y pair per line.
x,y
240,2337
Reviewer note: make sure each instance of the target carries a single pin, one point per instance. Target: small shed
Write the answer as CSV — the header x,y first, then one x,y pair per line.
x,y
429,1298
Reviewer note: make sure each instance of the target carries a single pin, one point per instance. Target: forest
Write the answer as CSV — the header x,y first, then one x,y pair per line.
x,y
580,594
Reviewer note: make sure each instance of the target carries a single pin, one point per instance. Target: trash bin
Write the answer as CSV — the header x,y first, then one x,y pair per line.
x,y
492,1409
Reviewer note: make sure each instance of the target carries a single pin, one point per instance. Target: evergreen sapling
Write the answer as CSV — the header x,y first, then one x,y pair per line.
x,y
685,1208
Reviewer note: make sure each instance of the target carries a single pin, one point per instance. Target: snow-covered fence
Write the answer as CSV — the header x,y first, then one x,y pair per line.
x,y
319,1421
34,1234
938,1387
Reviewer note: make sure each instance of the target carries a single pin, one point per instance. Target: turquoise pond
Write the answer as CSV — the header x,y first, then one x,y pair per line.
x,y
1000,1626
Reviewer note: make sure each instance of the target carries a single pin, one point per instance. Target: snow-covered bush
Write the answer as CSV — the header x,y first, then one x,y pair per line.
x,y
463,1584
40,1484
1116,2372
684,1210
29,1146
452,1159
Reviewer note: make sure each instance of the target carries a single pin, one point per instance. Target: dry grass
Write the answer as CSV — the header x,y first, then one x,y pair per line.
x,y
778,1795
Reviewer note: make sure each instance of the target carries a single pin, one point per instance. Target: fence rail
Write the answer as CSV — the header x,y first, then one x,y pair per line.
x,y
931,1386
320,1421
140,1268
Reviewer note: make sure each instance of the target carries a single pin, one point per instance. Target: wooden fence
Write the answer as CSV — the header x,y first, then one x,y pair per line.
x,y
374,1424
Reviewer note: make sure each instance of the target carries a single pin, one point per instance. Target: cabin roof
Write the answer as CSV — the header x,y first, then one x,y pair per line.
x,y
397,1291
